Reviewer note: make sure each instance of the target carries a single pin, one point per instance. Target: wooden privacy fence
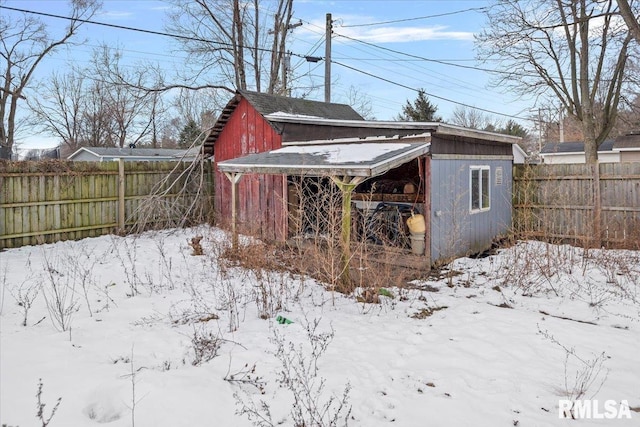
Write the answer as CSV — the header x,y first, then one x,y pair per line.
x,y
48,201
583,204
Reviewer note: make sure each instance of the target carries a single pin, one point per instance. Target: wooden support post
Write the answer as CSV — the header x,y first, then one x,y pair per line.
x,y
427,208
121,188
234,178
346,186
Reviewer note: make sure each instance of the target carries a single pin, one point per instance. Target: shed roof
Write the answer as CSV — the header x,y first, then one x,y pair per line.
x,y
403,128
365,159
267,104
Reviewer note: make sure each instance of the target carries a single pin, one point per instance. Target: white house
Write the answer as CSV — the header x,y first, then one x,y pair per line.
x,y
625,148
573,152
105,154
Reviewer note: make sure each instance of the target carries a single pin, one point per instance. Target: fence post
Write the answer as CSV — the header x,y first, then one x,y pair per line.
x,y
597,206
121,187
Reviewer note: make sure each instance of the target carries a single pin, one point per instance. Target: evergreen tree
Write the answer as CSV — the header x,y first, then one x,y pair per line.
x,y
514,129
188,134
421,110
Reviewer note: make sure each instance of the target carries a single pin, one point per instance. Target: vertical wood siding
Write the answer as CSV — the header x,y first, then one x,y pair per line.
x,y
261,207
455,230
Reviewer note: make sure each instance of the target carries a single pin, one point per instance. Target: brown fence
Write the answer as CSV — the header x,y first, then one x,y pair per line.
x,y
50,201
582,204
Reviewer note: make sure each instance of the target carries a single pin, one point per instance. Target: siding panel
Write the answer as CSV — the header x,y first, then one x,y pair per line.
x,y
455,230
259,199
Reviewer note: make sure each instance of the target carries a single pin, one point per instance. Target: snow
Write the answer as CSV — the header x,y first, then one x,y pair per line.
x,y
345,153
506,337
292,115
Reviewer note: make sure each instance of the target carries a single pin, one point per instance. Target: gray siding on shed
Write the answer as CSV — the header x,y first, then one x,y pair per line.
x,y
455,231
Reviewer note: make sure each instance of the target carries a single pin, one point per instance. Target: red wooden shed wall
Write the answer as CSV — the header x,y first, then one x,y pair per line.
x,y
261,202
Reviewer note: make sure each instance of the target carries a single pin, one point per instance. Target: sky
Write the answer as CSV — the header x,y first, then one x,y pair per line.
x,y
385,50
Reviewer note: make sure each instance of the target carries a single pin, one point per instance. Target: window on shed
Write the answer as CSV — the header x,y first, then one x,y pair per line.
x,y
480,196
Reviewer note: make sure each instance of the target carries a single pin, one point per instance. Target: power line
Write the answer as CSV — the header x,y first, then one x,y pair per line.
x,y
422,58
419,70
418,18
426,93
139,30
198,39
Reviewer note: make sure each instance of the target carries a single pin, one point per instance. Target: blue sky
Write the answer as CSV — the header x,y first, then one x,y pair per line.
x,y
443,32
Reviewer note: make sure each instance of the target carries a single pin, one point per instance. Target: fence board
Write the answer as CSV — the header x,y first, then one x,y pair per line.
x,y
559,202
50,201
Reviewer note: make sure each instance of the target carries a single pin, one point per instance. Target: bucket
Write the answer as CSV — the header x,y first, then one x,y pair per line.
x,y
416,224
417,243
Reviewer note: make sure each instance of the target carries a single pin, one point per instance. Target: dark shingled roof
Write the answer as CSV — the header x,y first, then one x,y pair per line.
x,y
573,147
267,104
630,140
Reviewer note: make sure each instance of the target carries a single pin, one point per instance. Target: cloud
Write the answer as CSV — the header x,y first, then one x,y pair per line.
x,y
116,15
403,34
387,34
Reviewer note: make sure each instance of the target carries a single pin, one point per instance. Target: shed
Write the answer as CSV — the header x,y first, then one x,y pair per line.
x,y
459,178
106,154
244,127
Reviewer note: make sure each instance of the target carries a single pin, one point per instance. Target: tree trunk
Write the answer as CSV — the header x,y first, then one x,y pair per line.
x,y
629,19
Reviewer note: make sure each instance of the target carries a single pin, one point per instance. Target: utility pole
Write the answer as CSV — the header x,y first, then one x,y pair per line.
x,y
286,67
561,119
286,56
327,60
540,130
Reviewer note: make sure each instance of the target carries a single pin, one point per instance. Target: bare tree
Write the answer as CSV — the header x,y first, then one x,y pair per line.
x,y
24,43
630,18
198,106
60,109
360,102
129,107
572,50
96,125
228,38
470,118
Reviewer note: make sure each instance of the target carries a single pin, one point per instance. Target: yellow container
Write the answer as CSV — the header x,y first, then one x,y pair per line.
x,y
416,223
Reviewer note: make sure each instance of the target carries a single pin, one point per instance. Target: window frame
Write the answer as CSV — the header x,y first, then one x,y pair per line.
x,y
482,186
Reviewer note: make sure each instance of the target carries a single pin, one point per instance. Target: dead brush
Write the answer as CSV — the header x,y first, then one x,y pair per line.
x,y
265,267
318,251
196,246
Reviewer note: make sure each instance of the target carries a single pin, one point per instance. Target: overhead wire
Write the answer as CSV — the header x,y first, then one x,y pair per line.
x,y
418,18
199,39
427,93
454,84
140,30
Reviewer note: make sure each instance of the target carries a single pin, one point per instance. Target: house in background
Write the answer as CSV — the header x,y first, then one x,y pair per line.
x,y
460,179
628,146
624,148
107,154
519,155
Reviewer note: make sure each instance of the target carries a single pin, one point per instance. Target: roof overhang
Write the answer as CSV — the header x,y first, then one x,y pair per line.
x,y
435,128
367,159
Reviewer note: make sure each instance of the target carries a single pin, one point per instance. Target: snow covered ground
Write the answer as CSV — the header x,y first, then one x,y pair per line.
x,y
137,331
